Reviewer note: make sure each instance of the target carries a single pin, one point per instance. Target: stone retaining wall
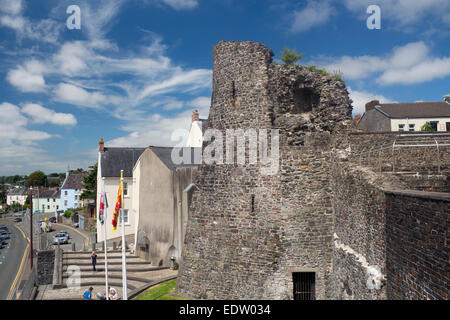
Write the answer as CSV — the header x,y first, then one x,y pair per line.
x,y
417,251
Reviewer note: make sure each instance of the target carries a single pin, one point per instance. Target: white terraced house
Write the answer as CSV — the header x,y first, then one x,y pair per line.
x,y
409,116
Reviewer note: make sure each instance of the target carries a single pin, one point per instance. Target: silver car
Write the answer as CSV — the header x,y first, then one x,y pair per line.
x,y
60,238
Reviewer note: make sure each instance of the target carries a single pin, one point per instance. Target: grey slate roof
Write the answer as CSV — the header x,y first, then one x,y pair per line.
x,y
48,193
415,109
115,159
16,192
165,155
74,181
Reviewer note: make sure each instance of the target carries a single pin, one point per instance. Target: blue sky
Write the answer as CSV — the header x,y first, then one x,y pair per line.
x,y
136,69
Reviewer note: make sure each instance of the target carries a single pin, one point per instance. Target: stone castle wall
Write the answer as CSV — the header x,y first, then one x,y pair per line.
x,y
388,244
322,212
248,232
417,251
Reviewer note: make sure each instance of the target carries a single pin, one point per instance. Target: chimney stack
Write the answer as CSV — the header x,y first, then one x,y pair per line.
x,y
101,145
195,115
371,105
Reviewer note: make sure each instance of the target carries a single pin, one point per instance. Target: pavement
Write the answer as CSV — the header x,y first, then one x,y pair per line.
x,y
78,275
12,259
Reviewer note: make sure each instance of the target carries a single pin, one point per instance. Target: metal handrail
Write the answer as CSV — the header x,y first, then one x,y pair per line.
x,y
402,143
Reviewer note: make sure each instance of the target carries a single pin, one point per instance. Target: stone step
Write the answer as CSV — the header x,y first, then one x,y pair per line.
x,y
112,257
137,276
116,268
101,262
99,252
131,285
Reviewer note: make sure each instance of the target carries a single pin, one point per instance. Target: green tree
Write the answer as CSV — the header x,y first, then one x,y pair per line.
x,y
90,185
427,127
2,194
290,57
36,179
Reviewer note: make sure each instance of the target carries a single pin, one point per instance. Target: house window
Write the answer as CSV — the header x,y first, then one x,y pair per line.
x,y
412,127
48,207
447,126
54,200
65,203
401,127
125,189
57,207
76,197
304,285
65,193
125,217
48,200
434,125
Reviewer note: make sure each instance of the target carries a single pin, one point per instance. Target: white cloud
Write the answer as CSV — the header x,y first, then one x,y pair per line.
x,y
69,93
424,71
315,14
13,126
173,105
184,82
40,114
20,150
404,13
46,30
181,4
360,98
408,64
157,130
28,78
98,15
11,7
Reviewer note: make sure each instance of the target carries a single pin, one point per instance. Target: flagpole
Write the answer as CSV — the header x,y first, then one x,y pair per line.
x,y
124,259
104,241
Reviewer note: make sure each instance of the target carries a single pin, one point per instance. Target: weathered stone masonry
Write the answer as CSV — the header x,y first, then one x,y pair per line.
x,y
231,251
324,211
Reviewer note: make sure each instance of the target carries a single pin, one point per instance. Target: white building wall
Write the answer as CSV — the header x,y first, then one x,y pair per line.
x,y
195,138
418,122
46,205
135,197
10,200
111,190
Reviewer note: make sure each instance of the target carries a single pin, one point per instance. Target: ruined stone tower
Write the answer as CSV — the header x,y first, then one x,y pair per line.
x,y
250,234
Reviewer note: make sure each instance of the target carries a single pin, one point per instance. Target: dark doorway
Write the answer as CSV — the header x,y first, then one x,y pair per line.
x,y
304,285
447,126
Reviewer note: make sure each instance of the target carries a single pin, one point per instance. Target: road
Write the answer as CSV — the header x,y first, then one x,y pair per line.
x,y
47,238
11,257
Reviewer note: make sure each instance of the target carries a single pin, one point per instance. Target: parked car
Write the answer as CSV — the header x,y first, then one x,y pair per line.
x,y
4,228
18,220
5,235
76,225
52,219
60,238
66,233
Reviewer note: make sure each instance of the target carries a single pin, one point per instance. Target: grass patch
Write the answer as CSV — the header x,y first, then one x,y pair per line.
x,y
160,292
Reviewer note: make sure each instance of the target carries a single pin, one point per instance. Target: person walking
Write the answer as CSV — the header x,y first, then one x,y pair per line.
x,y
94,260
87,295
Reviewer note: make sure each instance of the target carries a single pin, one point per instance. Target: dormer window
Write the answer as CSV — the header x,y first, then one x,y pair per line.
x,y
401,127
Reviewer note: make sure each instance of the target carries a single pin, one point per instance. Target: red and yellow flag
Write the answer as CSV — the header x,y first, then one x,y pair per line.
x,y
115,219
